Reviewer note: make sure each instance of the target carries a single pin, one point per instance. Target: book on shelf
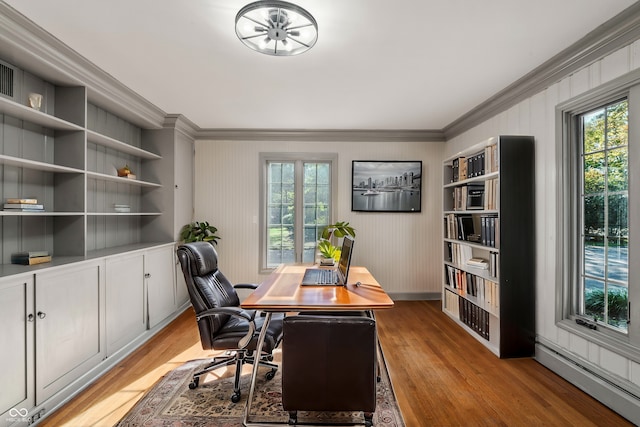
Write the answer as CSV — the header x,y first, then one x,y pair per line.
x,y
459,169
490,194
460,253
460,198
29,201
478,263
33,261
30,254
490,230
465,227
28,206
491,158
30,257
122,208
475,196
474,317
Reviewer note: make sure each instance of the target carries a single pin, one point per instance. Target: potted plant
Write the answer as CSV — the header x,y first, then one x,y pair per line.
x,y
328,251
199,232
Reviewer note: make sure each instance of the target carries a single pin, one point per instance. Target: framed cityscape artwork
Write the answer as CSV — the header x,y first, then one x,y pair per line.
x,y
386,186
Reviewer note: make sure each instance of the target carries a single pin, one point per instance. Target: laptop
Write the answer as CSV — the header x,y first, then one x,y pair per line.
x,y
331,277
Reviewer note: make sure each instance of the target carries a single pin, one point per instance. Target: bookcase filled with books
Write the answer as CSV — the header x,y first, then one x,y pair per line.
x,y
488,236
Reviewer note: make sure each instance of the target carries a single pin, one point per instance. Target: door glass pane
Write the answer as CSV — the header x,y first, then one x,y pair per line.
x,y
316,205
280,214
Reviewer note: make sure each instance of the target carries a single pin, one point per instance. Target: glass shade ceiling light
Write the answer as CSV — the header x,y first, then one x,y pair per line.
x,y
276,28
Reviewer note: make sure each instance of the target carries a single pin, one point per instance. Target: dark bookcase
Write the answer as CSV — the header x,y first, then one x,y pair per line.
x,y
493,300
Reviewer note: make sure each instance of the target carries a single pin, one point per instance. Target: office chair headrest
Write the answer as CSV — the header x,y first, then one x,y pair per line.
x,y
203,257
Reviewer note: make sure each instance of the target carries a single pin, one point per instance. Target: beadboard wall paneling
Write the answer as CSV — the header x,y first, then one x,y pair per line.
x,y
536,116
401,250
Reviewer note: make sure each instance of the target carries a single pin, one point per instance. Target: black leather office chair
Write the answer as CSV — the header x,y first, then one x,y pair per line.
x,y
223,325
329,364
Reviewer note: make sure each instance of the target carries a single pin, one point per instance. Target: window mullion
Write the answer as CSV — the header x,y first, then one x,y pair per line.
x,y
299,210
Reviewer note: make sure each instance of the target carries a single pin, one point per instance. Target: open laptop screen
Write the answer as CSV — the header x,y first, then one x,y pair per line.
x,y
345,259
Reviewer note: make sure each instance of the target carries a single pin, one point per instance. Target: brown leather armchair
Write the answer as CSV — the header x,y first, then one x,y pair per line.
x,y
222,324
329,364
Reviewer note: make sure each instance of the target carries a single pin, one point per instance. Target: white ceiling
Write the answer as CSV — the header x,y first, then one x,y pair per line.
x,y
396,65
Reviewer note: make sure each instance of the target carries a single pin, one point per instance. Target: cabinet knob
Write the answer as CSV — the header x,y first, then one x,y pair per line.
x,y
147,275
31,317
41,315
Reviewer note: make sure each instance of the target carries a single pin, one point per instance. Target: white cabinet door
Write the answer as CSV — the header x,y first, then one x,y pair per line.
x,y
125,313
16,342
67,319
159,267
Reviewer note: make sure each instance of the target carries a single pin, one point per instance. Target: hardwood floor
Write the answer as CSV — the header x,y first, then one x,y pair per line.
x,y
441,376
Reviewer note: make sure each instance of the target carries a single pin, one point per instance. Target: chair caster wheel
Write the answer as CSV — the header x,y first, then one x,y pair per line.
x,y
193,384
269,375
235,397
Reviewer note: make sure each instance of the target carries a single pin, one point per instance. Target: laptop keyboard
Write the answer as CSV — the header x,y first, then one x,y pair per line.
x,y
325,277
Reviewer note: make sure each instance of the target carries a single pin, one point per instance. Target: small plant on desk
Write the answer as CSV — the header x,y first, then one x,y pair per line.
x,y
328,251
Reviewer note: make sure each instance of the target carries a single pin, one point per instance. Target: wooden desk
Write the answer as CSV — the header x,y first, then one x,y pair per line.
x,y
281,292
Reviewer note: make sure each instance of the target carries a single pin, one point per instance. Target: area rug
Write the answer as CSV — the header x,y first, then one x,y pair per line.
x,y
171,403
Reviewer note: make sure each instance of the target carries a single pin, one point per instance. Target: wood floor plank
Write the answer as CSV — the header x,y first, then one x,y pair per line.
x,y
441,376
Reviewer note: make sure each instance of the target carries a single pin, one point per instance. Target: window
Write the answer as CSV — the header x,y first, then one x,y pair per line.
x,y
603,213
297,205
597,225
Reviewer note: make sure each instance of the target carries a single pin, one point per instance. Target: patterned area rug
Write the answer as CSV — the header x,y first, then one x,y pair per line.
x,y
171,403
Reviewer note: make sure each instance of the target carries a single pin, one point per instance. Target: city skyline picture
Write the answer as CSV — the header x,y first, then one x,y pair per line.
x,y
386,186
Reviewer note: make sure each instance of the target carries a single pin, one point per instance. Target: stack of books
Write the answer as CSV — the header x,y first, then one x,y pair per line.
x,y
30,257
23,205
478,263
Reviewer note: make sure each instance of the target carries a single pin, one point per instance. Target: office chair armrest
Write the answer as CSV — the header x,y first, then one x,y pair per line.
x,y
238,312
245,286
232,311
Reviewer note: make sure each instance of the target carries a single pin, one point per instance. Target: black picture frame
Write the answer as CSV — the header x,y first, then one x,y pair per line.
x,y
386,186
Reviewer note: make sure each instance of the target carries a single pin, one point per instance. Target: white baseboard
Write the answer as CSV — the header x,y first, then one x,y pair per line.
x,y
592,380
415,296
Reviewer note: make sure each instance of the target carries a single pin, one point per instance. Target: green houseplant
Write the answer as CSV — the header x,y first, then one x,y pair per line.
x,y
327,249
199,232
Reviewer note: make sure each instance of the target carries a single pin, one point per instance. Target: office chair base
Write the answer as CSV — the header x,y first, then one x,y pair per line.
x,y
238,359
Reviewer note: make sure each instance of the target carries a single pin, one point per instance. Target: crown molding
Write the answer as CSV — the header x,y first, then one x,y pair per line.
x,y
28,46
620,31
181,124
320,135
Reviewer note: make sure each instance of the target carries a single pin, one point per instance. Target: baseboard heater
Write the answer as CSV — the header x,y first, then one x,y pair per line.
x,y
621,400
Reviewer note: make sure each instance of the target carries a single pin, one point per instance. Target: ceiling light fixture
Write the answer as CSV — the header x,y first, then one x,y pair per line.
x,y
276,28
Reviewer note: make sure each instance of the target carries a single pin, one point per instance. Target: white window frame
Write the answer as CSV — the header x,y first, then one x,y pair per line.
x,y
264,159
568,242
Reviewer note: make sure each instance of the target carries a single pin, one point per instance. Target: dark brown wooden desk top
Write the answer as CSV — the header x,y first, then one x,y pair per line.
x,y
281,292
